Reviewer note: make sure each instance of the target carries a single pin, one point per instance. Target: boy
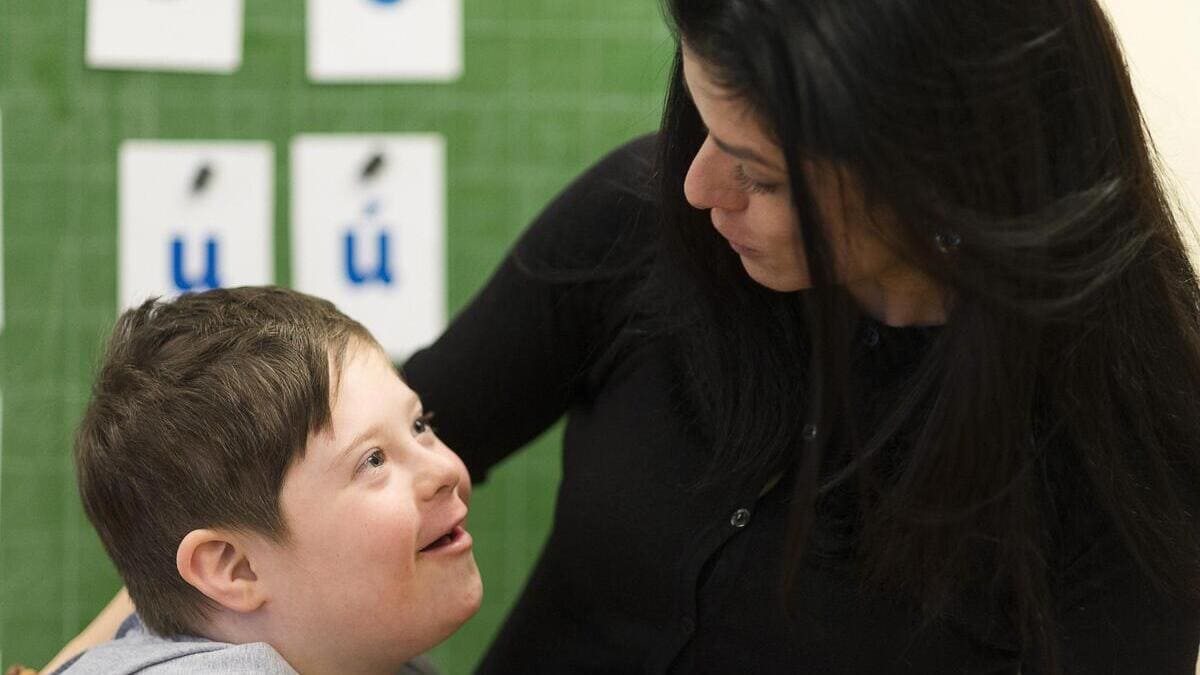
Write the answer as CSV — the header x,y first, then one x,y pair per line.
x,y
271,492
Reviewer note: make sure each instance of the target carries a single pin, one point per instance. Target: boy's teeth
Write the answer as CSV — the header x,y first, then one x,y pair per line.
x,y
441,541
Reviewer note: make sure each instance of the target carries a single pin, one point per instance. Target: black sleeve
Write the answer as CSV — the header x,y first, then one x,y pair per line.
x,y
511,363
1113,620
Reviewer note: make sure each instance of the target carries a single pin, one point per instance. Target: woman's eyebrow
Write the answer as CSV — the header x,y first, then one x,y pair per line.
x,y
745,154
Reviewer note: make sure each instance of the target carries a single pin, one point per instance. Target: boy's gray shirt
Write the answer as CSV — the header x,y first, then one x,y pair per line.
x,y
136,650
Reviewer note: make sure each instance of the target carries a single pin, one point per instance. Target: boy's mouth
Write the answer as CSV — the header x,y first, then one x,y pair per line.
x,y
456,538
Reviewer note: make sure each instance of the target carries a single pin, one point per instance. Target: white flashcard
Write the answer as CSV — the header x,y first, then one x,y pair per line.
x,y
368,231
193,216
384,40
183,35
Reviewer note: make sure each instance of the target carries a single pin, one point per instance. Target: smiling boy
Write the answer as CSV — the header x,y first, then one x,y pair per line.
x,y
271,492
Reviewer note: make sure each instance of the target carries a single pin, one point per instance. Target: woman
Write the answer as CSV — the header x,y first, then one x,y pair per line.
x,y
898,373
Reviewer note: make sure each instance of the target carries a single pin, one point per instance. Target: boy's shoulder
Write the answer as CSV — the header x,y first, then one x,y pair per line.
x,y
136,650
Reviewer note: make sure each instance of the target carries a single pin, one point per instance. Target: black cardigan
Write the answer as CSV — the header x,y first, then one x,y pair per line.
x,y
645,573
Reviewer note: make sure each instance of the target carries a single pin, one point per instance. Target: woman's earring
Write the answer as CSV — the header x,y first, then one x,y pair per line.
x,y
947,242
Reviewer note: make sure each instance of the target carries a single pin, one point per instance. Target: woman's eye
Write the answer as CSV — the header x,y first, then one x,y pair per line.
x,y
748,184
423,424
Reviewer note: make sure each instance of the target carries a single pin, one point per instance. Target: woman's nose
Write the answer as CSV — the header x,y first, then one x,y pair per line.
x,y
709,181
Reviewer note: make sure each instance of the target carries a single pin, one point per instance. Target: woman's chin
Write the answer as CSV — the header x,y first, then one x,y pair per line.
x,y
776,280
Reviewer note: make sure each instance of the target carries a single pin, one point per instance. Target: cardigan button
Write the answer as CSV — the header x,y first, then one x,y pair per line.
x,y
871,339
740,518
809,432
687,625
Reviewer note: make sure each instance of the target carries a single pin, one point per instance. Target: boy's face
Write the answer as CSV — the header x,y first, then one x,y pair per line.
x,y
378,566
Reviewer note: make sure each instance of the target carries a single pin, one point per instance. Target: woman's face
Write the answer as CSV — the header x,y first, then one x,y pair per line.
x,y
739,175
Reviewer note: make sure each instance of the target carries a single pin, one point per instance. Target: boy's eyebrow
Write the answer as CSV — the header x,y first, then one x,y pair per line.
x,y
367,434
358,441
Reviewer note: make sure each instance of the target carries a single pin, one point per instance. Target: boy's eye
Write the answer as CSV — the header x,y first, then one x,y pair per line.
x,y
374,460
422,424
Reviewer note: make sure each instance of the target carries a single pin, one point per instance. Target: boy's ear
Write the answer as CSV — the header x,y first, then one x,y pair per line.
x,y
217,564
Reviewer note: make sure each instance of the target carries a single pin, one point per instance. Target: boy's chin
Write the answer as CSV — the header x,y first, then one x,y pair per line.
x,y
471,596
468,599
477,594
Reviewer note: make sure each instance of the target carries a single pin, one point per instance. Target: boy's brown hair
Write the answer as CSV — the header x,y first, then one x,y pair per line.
x,y
198,410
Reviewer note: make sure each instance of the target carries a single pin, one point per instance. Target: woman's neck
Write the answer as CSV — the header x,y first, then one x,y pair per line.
x,y
908,298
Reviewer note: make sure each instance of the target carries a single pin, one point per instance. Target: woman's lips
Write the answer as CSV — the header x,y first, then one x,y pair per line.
x,y
738,247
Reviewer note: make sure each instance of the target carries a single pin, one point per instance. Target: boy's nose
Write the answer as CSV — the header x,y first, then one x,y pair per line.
x,y
441,474
709,181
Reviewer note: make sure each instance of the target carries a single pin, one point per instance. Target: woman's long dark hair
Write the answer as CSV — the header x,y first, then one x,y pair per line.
x,y
1072,352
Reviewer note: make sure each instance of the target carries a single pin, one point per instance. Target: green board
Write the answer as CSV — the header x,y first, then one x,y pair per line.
x,y
548,87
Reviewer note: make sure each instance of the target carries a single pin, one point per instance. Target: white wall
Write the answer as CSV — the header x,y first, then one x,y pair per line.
x,y
1162,45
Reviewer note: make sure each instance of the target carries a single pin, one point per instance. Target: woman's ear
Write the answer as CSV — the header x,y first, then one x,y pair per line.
x,y
217,563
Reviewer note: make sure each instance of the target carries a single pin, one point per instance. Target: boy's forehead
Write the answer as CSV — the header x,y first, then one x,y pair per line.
x,y
367,397
365,385
356,359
